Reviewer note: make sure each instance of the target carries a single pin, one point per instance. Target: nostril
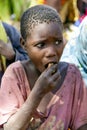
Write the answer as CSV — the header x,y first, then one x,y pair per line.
x,y
50,52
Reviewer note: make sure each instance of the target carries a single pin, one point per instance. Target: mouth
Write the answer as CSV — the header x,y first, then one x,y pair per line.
x,y
48,65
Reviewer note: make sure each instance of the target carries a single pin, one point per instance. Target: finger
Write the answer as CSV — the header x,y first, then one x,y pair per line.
x,y
52,69
57,76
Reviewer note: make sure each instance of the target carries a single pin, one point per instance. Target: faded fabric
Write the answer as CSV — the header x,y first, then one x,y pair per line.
x,y
75,50
67,108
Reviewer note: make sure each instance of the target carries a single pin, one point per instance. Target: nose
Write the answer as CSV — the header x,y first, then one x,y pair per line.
x,y
51,51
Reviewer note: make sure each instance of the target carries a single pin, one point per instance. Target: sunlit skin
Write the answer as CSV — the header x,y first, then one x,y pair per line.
x,y
45,44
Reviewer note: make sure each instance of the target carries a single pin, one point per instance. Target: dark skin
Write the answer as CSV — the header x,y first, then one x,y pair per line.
x,y
6,50
43,48
55,4
58,54
50,47
40,37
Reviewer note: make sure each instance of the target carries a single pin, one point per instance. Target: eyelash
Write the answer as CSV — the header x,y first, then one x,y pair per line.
x,y
58,42
42,44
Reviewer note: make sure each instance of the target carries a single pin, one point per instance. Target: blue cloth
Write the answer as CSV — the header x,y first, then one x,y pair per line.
x,y
75,50
14,37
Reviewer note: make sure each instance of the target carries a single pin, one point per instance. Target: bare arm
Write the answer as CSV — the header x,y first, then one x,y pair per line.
x,y
20,120
45,83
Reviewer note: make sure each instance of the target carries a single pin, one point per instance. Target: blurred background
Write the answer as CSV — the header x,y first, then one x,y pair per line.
x,y
72,12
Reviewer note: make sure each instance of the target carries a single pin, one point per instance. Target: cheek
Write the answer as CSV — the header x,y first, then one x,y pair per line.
x,y
60,51
34,55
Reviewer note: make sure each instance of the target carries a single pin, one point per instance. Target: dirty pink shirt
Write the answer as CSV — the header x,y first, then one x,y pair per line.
x,y
67,108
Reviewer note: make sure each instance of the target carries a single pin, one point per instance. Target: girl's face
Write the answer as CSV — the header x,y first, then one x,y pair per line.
x,y
45,45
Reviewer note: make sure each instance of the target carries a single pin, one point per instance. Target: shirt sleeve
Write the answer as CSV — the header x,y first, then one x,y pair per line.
x,y
79,108
12,92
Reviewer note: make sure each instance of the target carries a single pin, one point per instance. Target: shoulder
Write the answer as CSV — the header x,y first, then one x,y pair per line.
x,y
9,28
12,33
15,65
12,68
72,73
73,76
73,80
68,67
73,69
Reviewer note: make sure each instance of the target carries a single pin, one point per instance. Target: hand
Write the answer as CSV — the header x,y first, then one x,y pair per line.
x,y
6,50
47,80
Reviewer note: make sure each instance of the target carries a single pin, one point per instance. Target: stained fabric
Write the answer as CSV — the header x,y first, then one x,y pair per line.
x,y
65,109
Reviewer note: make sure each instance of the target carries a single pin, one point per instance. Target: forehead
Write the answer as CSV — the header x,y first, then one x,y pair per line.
x,y
53,29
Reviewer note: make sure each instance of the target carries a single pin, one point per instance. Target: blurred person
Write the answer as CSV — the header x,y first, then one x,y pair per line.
x,y
55,4
67,9
82,7
10,48
75,50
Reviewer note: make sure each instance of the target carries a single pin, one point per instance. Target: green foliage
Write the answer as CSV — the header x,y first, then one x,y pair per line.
x,y
13,7
4,9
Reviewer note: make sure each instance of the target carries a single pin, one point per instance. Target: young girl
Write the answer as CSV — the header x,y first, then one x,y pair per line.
x,y
42,93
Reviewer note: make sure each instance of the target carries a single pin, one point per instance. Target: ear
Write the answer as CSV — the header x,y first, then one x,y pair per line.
x,y
22,42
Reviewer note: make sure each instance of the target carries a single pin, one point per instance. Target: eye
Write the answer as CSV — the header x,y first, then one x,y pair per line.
x,y
40,45
58,42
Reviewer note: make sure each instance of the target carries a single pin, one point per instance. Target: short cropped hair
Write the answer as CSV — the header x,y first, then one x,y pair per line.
x,y
36,15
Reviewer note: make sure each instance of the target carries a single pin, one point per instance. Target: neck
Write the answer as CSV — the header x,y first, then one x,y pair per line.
x,y
31,72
